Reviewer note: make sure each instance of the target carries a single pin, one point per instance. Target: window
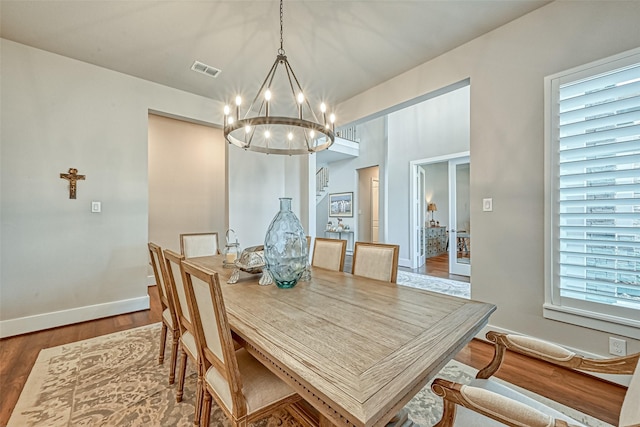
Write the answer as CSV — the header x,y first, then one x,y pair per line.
x,y
592,173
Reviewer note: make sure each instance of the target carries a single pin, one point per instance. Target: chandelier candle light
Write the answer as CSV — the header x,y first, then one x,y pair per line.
x,y
277,123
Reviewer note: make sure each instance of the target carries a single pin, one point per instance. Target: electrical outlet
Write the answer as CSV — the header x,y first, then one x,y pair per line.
x,y
617,347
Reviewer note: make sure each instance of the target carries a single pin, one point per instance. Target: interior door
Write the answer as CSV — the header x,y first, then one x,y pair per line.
x,y
420,215
459,217
375,214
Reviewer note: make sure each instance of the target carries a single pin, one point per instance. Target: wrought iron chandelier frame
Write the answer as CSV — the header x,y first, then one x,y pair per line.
x,y
254,127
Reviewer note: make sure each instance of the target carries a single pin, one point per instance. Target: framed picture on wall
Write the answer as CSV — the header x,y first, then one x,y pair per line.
x,y
341,204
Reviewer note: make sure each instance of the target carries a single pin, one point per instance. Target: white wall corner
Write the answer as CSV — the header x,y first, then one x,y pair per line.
x,y
38,322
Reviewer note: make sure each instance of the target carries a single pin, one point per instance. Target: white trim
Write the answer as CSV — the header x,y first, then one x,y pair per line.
x,y
413,171
617,379
440,159
554,307
38,322
404,262
592,320
151,280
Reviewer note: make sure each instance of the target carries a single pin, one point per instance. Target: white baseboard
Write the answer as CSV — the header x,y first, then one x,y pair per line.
x,y
617,379
38,322
151,280
405,262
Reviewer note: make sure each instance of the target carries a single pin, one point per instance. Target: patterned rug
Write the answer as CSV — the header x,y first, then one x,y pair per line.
x,y
435,284
115,380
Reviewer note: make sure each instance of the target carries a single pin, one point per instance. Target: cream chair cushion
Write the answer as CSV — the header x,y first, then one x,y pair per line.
x,y
197,245
260,386
180,293
374,262
208,317
166,315
329,254
189,342
541,348
630,412
468,418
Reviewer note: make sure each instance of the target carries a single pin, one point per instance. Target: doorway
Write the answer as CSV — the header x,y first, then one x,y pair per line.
x,y
368,204
440,218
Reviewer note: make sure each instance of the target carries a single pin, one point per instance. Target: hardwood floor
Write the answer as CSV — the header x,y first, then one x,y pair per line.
x,y
18,354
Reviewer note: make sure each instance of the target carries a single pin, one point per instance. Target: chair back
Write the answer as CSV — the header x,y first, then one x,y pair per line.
x,y
160,273
329,254
213,336
376,261
630,412
176,286
198,244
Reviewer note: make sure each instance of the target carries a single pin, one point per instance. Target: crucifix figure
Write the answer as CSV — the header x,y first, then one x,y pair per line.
x,y
72,177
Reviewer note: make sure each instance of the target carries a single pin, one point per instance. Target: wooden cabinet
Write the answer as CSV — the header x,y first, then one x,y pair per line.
x,y
436,240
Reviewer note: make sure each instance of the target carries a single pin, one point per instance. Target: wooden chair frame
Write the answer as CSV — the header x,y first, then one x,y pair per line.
x,y
182,236
452,395
342,254
166,302
185,326
396,253
228,368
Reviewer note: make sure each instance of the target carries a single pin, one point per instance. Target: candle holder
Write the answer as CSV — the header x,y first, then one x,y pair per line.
x,y
231,251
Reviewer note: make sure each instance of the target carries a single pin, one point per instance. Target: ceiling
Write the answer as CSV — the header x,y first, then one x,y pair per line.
x,y
337,48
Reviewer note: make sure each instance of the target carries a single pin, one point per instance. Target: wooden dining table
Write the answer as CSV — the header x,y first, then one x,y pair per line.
x,y
355,349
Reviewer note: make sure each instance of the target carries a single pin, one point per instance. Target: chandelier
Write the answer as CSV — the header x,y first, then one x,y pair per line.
x,y
280,119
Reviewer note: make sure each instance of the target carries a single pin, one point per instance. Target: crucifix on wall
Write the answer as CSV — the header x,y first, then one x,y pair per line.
x,y
72,177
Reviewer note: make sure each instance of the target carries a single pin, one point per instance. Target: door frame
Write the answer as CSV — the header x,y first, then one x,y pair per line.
x,y
455,267
413,215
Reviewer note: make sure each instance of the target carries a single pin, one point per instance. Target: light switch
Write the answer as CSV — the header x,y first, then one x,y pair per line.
x,y
96,207
487,205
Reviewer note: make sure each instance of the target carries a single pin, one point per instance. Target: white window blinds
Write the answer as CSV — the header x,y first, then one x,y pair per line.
x,y
597,202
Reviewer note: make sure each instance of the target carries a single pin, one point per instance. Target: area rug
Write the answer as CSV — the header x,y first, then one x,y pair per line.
x,y
115,380
435,284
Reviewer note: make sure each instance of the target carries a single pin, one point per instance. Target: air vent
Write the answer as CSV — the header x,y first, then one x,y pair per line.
x,y
205,69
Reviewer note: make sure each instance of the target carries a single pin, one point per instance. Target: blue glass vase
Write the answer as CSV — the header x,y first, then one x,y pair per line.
x,y
285,247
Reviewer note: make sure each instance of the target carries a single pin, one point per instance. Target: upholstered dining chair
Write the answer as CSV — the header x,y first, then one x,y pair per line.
x,y
169,317
485,402
329,254
376,261
243,387
188,349
199,244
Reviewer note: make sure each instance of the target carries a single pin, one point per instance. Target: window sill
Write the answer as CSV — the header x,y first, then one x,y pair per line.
x,y
588,319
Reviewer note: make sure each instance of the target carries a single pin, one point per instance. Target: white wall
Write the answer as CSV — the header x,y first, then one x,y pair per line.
x,y
436,127
437,191
506,68
187,181
256,182
60,262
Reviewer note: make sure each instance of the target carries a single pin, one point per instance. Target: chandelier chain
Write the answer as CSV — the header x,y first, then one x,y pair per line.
x,y
281,39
